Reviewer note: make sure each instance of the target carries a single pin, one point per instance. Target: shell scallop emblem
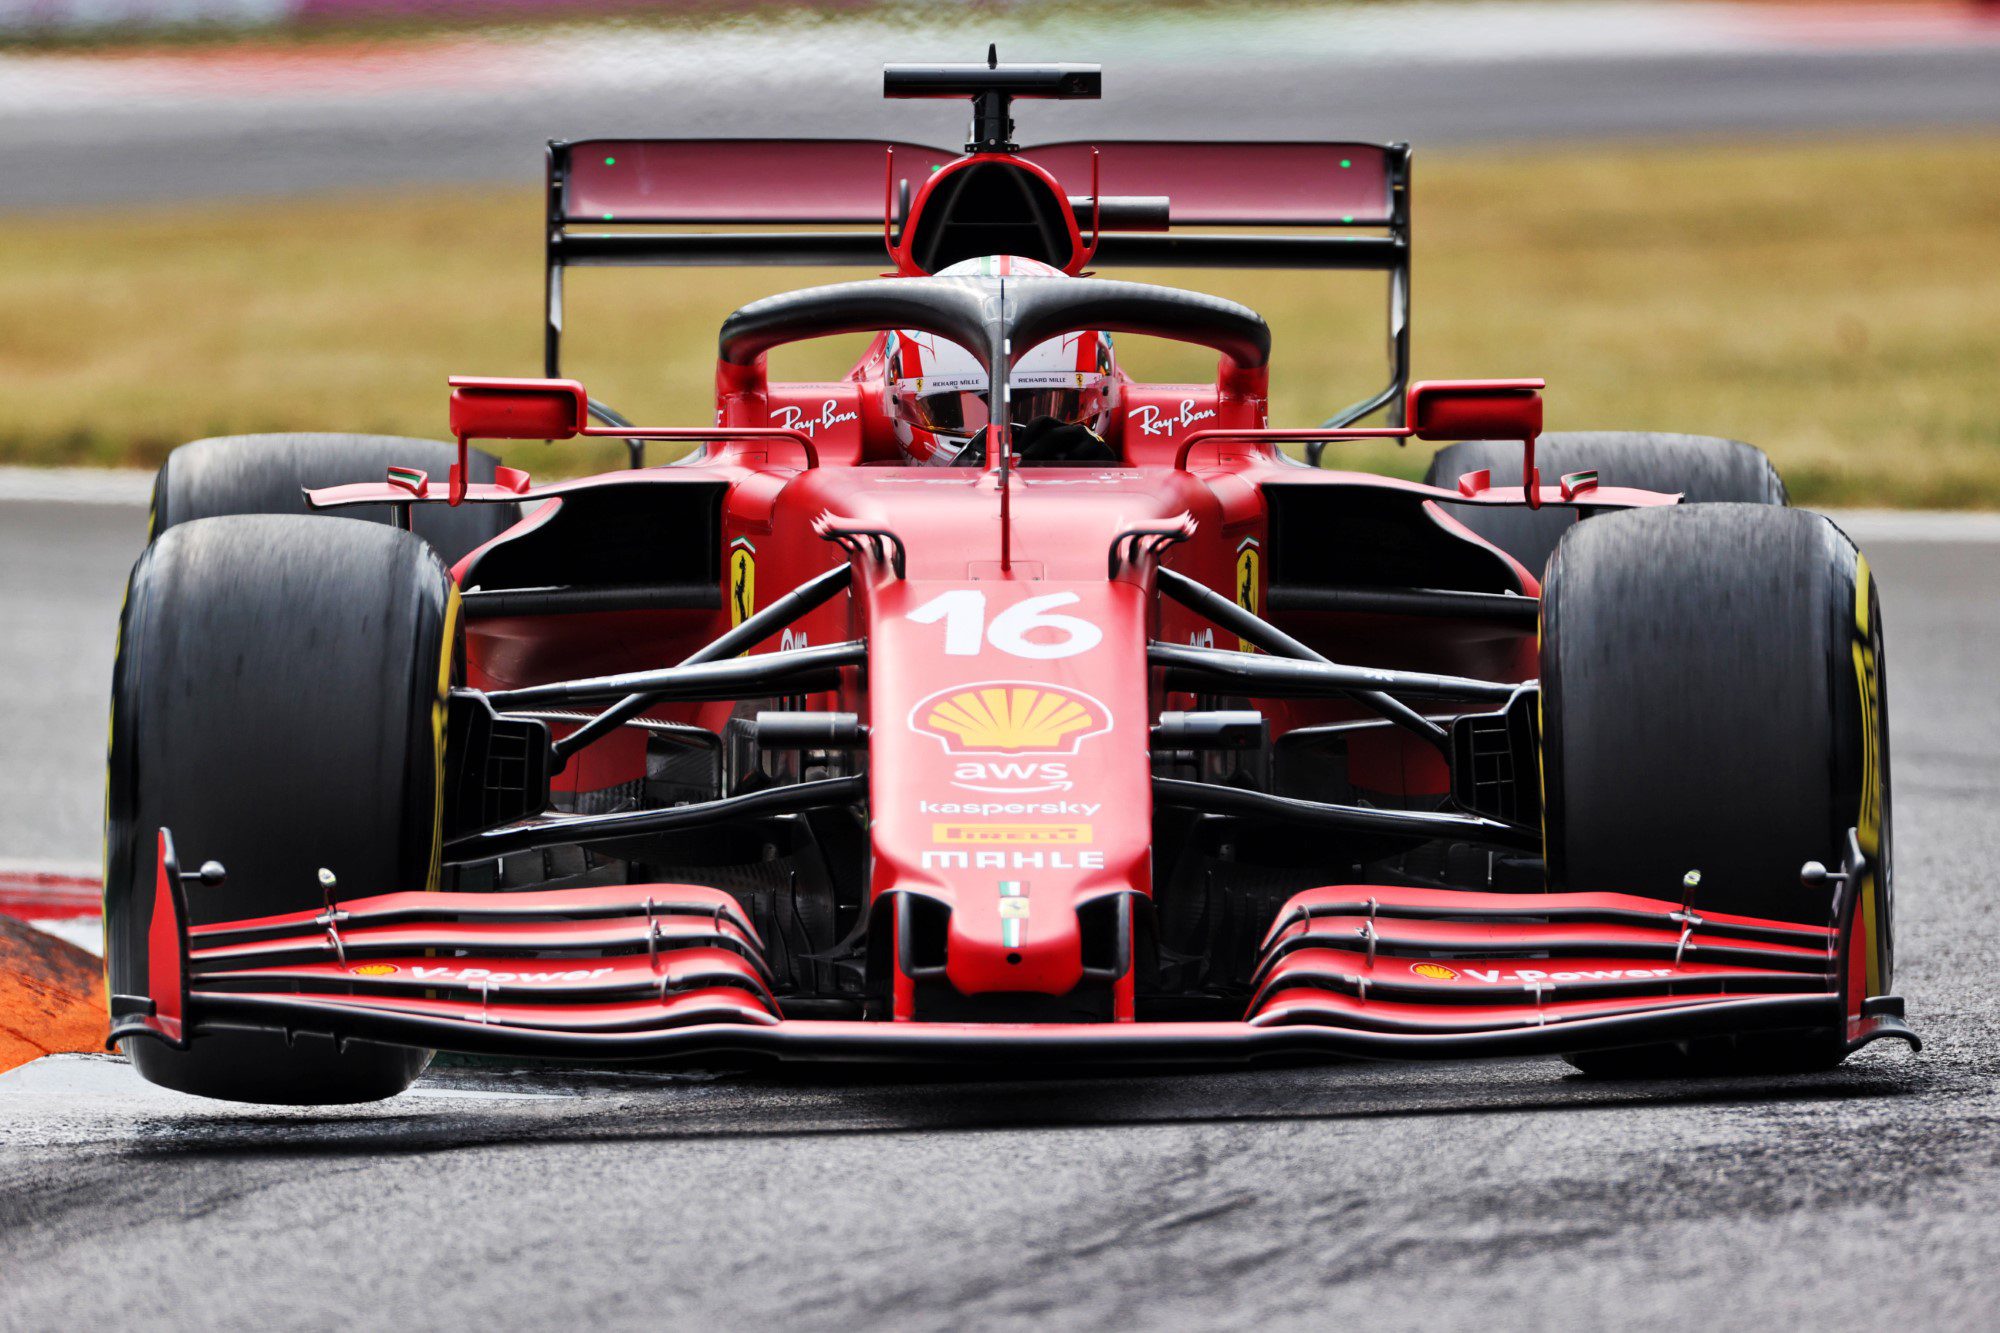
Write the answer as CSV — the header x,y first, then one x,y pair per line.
x,y
1010,717
1434,971
374,969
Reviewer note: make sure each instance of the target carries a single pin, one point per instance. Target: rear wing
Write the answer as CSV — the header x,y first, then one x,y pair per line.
x,y
841,202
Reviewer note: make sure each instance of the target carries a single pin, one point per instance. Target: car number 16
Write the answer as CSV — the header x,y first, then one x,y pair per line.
x,y
963,611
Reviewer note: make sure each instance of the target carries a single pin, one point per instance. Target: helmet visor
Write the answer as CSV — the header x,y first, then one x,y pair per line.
x,y
964,411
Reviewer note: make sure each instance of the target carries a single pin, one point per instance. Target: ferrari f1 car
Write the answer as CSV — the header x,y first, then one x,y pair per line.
x,y
1134,733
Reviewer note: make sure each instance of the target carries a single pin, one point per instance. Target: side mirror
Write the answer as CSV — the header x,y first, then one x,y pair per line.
x,y
1475,409
510,409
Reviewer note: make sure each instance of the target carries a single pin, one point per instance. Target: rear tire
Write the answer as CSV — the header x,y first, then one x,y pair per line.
x,y
278,702
1704,468
267,474
1713,700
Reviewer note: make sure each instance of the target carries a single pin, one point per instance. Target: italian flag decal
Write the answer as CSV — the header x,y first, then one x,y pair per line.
x,y
1576,482
1013,911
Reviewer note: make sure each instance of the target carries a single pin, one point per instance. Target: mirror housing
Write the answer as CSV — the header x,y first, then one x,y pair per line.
x,y
1444,410
517,409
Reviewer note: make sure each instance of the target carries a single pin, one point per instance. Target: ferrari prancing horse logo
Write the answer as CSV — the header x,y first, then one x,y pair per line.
x,y
742,580
1247,578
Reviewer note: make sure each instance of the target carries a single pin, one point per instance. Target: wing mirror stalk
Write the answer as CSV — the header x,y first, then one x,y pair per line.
x,y
1436,411
543,409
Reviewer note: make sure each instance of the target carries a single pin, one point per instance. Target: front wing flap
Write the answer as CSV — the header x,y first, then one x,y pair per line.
x,y
1425,961
651,971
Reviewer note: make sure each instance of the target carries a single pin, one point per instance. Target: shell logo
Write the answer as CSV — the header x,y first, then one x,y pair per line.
x,y
374,969
1434,971
1010,717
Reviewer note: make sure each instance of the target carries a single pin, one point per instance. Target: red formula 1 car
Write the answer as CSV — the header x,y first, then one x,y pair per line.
x,y
986,704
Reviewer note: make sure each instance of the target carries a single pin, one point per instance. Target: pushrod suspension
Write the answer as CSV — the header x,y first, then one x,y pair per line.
x,y
576,830
1249,626
1281,677
1421,825
808,596
793,671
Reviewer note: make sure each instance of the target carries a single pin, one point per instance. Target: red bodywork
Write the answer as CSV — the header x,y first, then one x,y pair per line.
x,y
1009,702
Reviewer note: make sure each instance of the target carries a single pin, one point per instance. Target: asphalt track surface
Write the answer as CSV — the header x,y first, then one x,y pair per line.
x,y
83,133
1480,1196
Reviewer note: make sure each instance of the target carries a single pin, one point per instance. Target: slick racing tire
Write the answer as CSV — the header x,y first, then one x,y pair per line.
x,y
278,702
1700,467
267,474
1713,700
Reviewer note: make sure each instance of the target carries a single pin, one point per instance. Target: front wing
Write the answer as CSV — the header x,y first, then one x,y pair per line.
x,y
645,972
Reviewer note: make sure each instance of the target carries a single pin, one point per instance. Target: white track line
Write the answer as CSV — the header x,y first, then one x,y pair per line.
x,y
76,485
1916,525
69,868
85,932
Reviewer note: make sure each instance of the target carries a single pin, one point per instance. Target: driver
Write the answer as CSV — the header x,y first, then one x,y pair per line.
x,y
1062,393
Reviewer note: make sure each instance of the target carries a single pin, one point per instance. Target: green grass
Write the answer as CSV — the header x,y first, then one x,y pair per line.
x,y
1836,302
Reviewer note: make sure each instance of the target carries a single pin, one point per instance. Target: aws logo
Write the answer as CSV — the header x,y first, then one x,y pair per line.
x,y
1010,717
1012,777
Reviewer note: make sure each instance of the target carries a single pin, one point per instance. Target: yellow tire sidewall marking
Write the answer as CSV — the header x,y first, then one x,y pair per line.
x,y
440,711
1868,829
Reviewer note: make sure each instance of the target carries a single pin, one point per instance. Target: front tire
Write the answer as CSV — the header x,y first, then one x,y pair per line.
x,y
268,474
1713,700
1702,468
278,701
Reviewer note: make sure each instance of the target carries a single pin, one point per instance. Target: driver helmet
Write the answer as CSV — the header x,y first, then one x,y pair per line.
x,y
937,390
